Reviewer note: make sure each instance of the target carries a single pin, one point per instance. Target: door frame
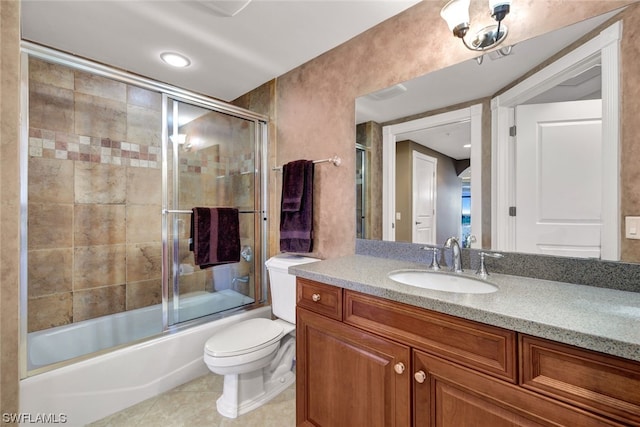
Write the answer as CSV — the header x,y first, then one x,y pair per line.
x,y
434,186
472,114
604,48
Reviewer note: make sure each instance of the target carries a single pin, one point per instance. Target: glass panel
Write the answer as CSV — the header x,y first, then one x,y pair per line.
x,y
94,213
361,193
211,163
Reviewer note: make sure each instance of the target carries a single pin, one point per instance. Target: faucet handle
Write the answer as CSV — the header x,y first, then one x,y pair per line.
x,y
435,266
482,269
435,251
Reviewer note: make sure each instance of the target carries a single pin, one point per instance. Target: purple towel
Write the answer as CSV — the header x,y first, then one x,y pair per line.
x,y
296,227
293,185
215,234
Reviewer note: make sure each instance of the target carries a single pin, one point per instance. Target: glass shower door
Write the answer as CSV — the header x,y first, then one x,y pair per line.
x,y
361,192
211,161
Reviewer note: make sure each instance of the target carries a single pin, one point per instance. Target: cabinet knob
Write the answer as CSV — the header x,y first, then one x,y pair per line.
x,y
420,376
399,367
315,297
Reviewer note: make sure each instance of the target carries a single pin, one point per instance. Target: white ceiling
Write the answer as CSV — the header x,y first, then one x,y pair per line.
x,y
230,55
469,81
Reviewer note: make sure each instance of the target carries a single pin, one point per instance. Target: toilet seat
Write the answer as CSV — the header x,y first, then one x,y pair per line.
x,y
249,336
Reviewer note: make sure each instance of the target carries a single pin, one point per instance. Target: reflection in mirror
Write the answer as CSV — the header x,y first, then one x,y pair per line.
x,y
468,198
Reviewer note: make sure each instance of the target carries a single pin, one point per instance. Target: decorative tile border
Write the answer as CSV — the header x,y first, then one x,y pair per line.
x,y
59,145
63,146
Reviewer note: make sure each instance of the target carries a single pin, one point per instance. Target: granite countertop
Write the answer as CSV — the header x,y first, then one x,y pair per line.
x,y
599,319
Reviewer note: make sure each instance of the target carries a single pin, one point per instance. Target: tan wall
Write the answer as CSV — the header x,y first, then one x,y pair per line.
x,y
630,143
449,193
9,203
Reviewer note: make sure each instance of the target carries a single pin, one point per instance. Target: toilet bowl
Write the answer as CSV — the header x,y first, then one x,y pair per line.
x,y
257,356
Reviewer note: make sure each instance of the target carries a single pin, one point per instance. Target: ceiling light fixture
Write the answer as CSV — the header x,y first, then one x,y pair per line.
x,y
175,59
456,13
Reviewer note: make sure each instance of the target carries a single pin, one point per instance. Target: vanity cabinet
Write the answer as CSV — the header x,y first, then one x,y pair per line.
x,y
367,361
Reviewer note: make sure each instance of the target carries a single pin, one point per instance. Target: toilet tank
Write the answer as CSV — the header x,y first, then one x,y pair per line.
x,y
283,284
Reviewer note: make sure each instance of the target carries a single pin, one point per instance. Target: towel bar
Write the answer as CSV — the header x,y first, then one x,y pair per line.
x,y
335,160
181,211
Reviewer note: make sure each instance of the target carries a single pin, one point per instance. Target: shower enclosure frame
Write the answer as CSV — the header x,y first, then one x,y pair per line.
x,y
261,195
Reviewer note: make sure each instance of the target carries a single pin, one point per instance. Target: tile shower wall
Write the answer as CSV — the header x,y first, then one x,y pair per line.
x,y
94,196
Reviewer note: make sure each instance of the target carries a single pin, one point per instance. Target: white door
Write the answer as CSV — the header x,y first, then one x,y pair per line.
x,y
559,178
424,198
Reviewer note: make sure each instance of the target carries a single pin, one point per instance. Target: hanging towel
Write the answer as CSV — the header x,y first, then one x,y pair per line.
x,y
293,185
215,236
296,226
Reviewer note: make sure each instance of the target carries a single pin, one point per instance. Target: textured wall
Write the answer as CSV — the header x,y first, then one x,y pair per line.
x,y
9,203
315,102
630,142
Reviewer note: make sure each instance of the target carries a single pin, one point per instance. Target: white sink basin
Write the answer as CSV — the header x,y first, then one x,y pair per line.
x,y
442,282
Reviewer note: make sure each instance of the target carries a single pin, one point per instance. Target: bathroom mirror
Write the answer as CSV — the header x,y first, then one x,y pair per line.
x,y
456,105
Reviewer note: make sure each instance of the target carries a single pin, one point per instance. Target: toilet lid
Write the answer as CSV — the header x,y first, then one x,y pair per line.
x,y
244,337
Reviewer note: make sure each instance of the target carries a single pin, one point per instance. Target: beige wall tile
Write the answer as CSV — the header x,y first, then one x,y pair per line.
x,y
100,117
144,126
99,266
50,226
51,107
98,302
50,271
144,261
144,294
98,183
50,74
99,224
50,311
50,180
144,98
101,87
144,223
191,191
144,186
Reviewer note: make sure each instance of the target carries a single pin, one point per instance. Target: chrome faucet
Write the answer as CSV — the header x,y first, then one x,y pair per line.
x,y
453,244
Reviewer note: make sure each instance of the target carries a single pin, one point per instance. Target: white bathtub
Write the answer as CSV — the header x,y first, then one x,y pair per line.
x,y
68,341
94,388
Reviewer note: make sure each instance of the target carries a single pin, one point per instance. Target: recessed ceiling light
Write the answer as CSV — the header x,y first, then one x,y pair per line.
x,y
175,59
467,145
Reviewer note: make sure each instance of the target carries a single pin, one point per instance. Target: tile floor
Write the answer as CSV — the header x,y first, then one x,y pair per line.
x,y
194,405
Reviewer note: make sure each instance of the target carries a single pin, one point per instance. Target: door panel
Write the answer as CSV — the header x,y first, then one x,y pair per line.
x,y
559,178
330,355
424,198
452,396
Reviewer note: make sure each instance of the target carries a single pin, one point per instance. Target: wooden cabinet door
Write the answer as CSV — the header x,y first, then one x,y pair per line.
x,y
449,395
347,377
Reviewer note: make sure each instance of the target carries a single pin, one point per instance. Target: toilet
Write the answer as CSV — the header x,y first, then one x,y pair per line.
x,y
257,356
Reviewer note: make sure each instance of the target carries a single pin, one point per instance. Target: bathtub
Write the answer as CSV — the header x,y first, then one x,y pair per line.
x,y
66,342
99,386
